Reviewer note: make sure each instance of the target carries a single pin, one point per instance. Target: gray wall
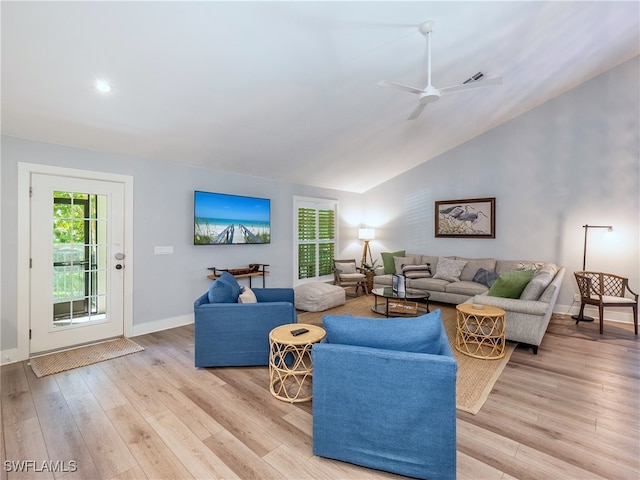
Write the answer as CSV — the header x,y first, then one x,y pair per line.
x,y
570,162
165,286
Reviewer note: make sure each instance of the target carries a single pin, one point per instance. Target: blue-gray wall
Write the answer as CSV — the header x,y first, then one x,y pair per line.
x,y
165,286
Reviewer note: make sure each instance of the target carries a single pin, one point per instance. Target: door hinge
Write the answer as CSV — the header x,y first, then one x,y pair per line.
x,y
30,191
29,334
31,263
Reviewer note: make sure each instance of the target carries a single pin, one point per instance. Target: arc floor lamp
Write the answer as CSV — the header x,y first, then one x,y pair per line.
x,y
609,228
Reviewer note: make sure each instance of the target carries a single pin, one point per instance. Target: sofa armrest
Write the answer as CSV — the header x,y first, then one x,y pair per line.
x,y
274,295
379,270
385,409
530,307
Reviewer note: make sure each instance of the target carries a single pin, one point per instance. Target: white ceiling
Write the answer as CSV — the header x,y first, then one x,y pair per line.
x,y
288,90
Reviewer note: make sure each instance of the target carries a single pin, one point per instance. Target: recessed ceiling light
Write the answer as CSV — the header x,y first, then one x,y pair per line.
x,y
103,86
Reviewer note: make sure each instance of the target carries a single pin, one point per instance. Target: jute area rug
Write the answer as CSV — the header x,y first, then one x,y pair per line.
x,y
476,377
81,356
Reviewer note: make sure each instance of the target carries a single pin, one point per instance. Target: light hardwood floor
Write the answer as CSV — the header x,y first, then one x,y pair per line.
x,y
571,412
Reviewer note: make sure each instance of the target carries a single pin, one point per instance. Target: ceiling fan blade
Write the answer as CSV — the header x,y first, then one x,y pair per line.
x,y
467,86
399,86
416,113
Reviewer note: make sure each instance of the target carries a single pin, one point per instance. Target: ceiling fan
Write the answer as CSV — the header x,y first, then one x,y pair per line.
x,y
430,94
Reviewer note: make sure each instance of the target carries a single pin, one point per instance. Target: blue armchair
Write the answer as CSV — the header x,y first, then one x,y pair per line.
x,y
237,334
384,395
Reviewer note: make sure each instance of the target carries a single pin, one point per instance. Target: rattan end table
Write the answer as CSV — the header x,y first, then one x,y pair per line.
x,y
480,331
290,364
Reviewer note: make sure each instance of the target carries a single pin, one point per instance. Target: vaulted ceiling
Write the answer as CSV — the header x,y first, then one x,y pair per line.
x,y
288,90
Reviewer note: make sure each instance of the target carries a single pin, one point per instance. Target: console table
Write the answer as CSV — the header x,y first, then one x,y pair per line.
x,y
254,270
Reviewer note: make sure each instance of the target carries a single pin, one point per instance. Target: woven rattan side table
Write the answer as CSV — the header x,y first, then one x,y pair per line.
x,y
480,331
290,365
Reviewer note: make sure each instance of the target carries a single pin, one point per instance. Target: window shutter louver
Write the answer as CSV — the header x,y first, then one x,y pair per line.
x,y
316,240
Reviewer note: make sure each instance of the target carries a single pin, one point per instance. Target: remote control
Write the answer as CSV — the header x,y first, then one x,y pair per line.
x,y
298,331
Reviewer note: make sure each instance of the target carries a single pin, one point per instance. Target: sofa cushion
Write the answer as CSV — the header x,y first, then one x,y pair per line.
x,y
474,264
449,269
417,271
418,334
465,288
511,284
383,281
348,267
540,281
430,284
225,289
388,262
400,262
430,260
247,296
485,277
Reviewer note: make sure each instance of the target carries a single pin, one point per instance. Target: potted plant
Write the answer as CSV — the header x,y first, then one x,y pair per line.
x,y
369,270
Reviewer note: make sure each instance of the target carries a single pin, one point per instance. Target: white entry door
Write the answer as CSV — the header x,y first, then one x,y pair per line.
x,y
77,261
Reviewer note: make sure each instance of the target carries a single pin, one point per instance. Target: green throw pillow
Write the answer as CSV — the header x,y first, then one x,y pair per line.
x,y
511,284
388,262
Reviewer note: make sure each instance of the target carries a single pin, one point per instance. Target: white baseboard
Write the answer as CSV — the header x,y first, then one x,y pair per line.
x,y
611,315
11,355
163,324
8,356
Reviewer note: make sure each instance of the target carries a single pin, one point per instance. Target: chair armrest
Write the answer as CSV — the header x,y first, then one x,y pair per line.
x,y
386,409
632,292
262,295
201,300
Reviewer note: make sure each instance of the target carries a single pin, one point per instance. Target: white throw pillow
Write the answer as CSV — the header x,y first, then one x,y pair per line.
x,y
448,269
344,268
247,296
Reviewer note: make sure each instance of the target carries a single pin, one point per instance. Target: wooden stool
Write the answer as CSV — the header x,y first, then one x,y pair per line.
x,y
480,331
290,365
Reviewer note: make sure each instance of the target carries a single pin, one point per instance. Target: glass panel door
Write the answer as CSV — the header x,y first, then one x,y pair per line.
x,y
79,260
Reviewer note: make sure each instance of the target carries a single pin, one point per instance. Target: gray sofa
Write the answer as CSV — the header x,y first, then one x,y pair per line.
x,y
527,317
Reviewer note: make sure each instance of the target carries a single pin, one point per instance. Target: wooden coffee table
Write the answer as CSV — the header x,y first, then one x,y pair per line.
x,y
290,364
410,304
480,331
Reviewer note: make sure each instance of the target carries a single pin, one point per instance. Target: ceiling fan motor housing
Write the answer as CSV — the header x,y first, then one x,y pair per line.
x,y
430,95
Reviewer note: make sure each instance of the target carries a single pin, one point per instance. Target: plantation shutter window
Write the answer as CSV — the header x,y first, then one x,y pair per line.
x,y
316,237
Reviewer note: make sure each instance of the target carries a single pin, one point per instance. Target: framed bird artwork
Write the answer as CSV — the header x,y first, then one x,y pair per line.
x,y
470,218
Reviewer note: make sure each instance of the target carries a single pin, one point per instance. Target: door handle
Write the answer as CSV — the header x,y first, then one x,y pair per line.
x,y
119,267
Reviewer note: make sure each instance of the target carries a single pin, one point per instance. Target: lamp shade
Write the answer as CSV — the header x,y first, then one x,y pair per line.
x,y
366,233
